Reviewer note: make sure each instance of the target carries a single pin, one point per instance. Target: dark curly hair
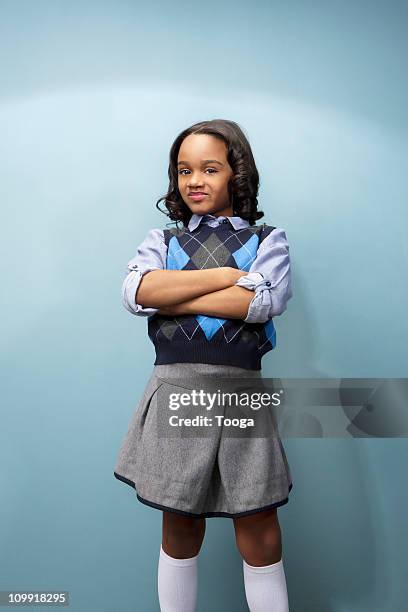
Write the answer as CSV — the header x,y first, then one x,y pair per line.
x,y
244,184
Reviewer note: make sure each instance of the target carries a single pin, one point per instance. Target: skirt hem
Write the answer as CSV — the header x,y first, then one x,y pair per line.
x,y
202,514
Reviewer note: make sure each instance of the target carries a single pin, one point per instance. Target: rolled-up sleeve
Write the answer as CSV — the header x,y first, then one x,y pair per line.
x,y
270,277
151,255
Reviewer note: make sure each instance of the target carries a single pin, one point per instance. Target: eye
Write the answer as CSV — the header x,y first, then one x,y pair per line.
x,y
184,169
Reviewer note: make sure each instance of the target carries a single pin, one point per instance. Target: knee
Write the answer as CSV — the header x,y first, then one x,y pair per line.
x,y
182,536
260,548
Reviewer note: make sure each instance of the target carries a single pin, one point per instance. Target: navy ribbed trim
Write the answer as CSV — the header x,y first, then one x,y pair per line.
x,y
203,514
196,351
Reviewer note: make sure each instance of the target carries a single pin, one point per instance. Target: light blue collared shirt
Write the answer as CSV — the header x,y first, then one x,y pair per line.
x,y
269,275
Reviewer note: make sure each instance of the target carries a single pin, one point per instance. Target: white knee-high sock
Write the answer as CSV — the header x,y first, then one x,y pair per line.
x,y
177,583
265,587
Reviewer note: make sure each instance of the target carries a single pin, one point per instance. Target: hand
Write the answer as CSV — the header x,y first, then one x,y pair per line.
x,y
235,274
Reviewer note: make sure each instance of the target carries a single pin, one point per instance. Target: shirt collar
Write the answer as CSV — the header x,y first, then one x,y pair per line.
x,y
236,222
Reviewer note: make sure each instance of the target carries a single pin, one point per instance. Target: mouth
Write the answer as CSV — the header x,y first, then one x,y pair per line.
x,y
197,195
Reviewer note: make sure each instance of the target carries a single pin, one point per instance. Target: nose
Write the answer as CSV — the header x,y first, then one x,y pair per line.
x,y
194,182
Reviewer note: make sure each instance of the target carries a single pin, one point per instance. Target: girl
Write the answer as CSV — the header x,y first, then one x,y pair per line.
x,y
210,290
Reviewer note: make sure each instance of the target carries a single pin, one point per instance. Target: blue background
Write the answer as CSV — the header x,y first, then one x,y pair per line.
x,y
92,96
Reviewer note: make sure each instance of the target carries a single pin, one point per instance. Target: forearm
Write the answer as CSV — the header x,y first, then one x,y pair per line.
x,y
230,303
160,288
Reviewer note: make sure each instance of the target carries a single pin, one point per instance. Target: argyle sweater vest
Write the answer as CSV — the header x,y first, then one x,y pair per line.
x,y
205,339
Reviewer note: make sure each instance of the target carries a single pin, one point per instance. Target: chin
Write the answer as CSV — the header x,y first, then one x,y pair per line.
x,y
200,209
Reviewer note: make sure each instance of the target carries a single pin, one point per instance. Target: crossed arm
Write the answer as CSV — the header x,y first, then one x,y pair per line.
x,y
209,292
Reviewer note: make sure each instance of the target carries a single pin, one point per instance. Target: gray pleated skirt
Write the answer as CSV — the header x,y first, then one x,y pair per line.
x,y
202,476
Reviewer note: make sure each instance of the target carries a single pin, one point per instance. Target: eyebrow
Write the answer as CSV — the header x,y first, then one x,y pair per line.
x,y
203,161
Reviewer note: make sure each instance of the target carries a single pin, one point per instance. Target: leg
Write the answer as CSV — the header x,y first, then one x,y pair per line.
x,y
177,572
258,538
182,536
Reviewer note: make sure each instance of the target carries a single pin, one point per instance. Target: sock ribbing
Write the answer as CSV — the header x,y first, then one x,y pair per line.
x,y
264,569
265,587
177,582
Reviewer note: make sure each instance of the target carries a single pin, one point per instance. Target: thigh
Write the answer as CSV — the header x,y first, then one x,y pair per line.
x,y
177,528
257,523
182,523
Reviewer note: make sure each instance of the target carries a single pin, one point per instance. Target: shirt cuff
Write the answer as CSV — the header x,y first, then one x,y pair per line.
x,y
259,308
260,305
254,281
129,288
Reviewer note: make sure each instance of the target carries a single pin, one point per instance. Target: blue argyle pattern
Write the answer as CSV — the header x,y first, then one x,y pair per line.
x,y
209,247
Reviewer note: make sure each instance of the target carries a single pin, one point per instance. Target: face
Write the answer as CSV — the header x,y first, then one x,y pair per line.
x,y
203,167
